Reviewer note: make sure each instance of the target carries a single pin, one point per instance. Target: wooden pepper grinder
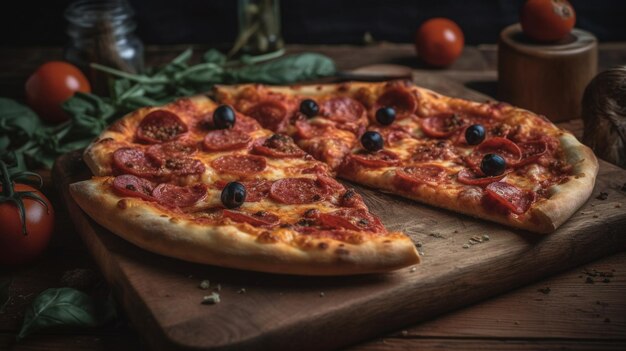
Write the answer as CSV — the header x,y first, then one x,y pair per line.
x,y
548,79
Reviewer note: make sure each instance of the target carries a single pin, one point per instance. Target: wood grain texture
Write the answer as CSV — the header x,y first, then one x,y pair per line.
x,y
277,312
548,79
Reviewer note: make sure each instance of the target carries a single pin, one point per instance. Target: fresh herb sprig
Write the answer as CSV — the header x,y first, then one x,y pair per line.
x,y
24,136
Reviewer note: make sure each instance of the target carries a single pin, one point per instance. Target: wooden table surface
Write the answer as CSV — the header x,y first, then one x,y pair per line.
x,y
576,309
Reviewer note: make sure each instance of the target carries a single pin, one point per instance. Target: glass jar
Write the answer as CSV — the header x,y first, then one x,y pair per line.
x,y
103,31
259,26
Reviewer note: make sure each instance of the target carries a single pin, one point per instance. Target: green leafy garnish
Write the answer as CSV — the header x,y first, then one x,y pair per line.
x,y
23,136
65,307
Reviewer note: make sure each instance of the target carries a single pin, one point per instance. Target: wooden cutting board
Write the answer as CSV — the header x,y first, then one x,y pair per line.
x,y
162,298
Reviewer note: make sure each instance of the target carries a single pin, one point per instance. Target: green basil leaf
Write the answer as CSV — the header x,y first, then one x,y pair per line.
x,y
214,56
65,307
284,70
5,284
15,117
183,57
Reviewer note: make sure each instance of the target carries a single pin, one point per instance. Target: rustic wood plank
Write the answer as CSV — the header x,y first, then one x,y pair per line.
x,y
493,344
586,310
276,309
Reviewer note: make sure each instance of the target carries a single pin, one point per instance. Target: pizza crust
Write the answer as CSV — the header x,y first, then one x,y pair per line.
x,y
566,198
230,246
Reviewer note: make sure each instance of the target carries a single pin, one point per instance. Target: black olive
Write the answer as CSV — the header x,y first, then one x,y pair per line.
x,y
385,115
492,165
372,141
233,195
223,117
309,108
475,134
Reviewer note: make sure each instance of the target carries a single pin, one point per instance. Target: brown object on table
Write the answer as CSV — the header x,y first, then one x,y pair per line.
x,y
465,260
548,79
604,115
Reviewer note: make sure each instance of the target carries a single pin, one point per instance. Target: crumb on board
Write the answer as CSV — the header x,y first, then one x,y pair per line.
x,y
241,291
602,196
413,269
205,284
419,244
322,294
405,333
212,299
466,246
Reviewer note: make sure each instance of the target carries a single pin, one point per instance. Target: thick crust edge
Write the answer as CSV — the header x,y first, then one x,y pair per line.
x,y
229,246
566,198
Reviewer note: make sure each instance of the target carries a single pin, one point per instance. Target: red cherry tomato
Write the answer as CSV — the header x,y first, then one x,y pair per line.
x,y
439,42
50,85
547,20
15,247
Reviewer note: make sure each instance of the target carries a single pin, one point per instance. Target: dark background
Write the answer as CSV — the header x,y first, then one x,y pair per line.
x,y
304,21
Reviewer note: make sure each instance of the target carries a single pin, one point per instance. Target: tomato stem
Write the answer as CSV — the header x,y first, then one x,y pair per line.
x,y
7,180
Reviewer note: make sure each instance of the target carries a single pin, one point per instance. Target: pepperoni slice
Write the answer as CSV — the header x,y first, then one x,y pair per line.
x,y
381,158
240,165
257,219
308,130
442,126
408,177
352,219
501,146
400,99
297,191
179,196
159,126
245,124
158,153
510,197
135,162
531,151
256,189
226,139
269,113
130,185
278,145
469,177
342,109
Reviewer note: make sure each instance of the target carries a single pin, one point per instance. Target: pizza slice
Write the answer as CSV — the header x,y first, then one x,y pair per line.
x,y
201,182
488,160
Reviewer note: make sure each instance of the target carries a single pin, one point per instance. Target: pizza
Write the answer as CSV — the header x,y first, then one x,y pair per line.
x,y
488,160
201,182
248,177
